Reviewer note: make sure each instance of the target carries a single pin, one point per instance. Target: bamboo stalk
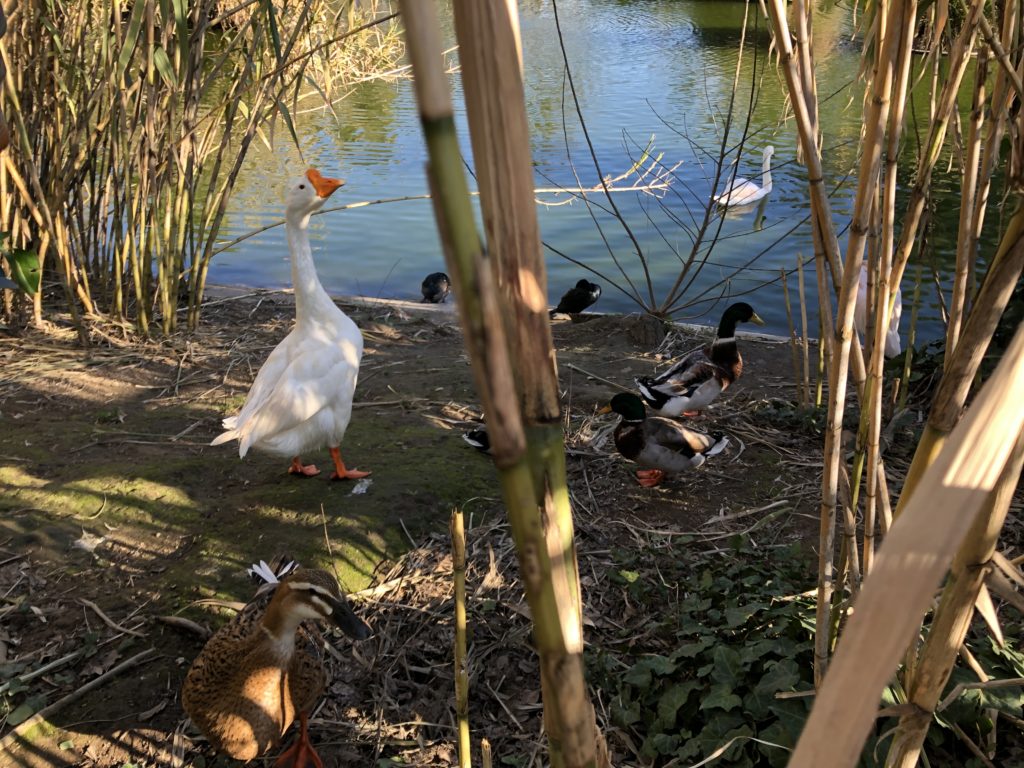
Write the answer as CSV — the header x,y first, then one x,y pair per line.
x,y
793,346
969,185
532,474
916,553
957,61
485,753
1003,273
952,618
458,533
806,380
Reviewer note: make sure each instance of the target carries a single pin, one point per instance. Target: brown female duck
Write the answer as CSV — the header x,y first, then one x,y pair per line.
x,y
262,669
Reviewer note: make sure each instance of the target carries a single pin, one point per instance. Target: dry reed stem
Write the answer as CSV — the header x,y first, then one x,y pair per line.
x,y
916,553
458,535
965,255
1003,273
957,61
952,618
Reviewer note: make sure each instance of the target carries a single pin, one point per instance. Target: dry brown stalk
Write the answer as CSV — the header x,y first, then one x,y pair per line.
x,y
957,61
969,185
916,553
458,534
952,618
988,306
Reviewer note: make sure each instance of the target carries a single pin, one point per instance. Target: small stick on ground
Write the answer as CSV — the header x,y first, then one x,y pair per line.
x,y
594,376
108,621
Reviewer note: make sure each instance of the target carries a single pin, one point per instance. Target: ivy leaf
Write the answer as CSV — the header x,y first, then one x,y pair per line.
x,y
737,616
721,697
728,666
674,698
640,674
661,744
24,269
691,650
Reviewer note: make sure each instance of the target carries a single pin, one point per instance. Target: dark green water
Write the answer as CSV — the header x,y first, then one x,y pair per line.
x,y
641,69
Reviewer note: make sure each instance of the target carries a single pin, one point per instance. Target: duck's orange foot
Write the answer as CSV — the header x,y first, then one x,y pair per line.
x,y
691,414
649,478
301,753
302,470
340,471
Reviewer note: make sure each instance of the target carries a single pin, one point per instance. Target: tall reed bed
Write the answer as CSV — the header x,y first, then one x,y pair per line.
x,y
963,471
131,122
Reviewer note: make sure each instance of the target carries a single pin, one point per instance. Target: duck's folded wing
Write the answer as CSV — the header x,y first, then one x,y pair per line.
x,y
680,369
685,383
676,437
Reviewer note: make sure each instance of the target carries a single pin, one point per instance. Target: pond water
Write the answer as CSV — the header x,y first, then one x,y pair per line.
x,y
643,69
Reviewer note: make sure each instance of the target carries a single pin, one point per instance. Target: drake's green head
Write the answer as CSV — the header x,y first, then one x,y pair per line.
x,y
628,406
742,313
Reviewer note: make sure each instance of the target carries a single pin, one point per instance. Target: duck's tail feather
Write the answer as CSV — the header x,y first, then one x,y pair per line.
x,y
282,566
721,442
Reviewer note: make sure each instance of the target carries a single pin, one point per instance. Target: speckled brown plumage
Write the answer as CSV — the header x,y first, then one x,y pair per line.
x,y
258,672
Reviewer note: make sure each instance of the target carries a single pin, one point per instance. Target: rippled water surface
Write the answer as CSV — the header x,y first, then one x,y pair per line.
x,y
659,69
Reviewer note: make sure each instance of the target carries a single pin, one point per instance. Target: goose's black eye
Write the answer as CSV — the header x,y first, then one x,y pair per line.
x,y
302,186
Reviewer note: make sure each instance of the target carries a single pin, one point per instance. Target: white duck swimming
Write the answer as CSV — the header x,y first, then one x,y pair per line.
x,y
743,191
301,399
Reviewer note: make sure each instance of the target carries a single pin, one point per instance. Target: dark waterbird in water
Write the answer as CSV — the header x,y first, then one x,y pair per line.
x,y
695,381
435,288
661,446
578,299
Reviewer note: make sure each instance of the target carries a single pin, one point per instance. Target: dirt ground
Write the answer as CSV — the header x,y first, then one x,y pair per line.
x,y
119,520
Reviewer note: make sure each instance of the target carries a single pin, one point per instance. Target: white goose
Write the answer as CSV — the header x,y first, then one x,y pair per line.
x,y
743,191
301,399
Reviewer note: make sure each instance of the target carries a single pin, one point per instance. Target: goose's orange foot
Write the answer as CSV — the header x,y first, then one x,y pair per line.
x,y
340,472
302,470
691,414
649,478
301,753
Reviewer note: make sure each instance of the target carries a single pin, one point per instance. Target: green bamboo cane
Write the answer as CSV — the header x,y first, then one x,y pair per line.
x,y
533,478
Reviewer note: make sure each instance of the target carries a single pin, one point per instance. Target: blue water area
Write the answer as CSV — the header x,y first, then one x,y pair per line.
x,y
654,74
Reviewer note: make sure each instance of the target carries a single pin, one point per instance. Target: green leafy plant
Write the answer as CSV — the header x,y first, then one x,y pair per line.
x,y
24,266
740,633
731,633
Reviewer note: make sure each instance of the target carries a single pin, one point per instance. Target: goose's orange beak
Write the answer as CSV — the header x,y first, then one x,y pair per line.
x,y
324,185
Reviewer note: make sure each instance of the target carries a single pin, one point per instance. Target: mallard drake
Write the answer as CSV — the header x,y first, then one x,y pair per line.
x,y
661,445
577,298
262,668
301,399
893,345
479,439
744,191
696,380
435,288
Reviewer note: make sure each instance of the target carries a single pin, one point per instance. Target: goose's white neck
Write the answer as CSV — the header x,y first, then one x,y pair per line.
x,y
309,293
